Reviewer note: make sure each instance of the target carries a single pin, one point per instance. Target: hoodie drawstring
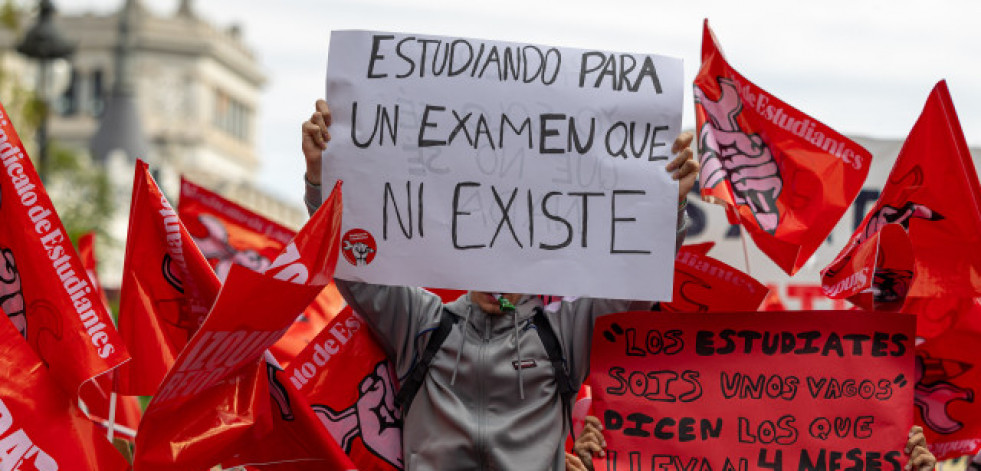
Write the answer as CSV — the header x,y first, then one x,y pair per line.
x,y
463,336
517,347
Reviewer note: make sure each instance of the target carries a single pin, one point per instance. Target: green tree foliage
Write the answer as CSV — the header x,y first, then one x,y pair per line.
x,y
80,190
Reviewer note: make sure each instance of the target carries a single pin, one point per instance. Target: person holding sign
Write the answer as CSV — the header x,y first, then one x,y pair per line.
x,y
487,380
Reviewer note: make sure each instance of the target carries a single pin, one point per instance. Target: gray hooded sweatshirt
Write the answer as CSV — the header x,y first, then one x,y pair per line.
x,y
476,409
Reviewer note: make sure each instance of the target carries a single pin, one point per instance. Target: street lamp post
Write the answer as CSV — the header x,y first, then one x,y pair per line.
x,y
44,43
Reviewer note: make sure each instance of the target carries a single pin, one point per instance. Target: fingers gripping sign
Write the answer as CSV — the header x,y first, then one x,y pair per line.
x,y
920,458
315,139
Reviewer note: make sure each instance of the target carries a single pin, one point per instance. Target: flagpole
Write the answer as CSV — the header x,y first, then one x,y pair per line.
x,y
111,426
742,237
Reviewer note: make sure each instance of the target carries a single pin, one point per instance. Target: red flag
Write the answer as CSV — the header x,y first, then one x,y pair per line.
x,y
166,291
948,382
784,176
40,426
44,289
933,193
96,393
214,400
582,408
704,284
346,376
228,233
296,434
773,301
876,275
86,254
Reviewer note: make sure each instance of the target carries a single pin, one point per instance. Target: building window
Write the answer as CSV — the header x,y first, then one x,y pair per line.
x,y
98,96
231,116
67,103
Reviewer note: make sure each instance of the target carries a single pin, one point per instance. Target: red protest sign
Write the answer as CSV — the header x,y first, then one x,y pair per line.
x,y
779,390
784,176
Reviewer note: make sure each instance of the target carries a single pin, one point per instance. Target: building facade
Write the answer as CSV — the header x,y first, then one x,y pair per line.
x,y
195,91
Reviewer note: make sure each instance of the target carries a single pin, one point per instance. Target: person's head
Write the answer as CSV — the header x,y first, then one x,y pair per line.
x,y
489,303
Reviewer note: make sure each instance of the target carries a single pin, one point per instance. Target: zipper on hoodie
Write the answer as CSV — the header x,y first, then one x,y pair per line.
x,y
482,395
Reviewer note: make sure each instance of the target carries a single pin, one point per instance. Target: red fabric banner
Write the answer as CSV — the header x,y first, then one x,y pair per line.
x,y
86,254
44,289
96,393
933,193
296,440
582,408
228,233
346,377
877,274
704,284
40,426
778,390
167,288
948,382
773,301
214,402
785,177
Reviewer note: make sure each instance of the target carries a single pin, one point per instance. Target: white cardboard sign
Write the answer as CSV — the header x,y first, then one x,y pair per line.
x,y
498,166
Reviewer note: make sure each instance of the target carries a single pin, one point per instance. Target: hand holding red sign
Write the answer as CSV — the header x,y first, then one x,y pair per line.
x,y
753,390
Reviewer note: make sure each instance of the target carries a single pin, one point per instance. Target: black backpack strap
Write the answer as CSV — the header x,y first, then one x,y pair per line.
x,y
417,374
563,380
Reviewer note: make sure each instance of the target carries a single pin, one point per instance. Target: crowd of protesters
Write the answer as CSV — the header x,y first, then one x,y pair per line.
x,y
468,407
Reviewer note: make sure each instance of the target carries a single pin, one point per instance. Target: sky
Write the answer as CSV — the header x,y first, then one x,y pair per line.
x,y
864,68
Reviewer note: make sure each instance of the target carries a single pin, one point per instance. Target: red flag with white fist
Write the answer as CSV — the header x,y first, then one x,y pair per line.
x,y
348,380
784,176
